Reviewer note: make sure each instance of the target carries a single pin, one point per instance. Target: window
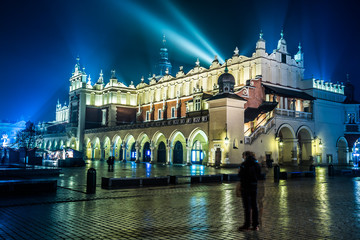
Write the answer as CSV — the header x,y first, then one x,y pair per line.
x,y
173,112
159,114
197,104
147,116
103,119
283,58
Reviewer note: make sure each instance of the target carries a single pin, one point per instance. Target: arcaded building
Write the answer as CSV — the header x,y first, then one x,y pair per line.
x,y
260,103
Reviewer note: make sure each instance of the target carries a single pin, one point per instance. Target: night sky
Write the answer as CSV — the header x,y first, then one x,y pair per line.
x,y
40,41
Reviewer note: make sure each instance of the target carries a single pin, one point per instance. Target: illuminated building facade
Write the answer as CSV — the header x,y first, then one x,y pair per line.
x,y
8,132
210,115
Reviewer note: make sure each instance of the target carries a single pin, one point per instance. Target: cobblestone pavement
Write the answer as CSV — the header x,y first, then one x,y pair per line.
x,y
306,208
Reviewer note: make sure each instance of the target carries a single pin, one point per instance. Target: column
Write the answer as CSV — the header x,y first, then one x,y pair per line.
x,y
188,155
124,153
137,148
152,154
102,153
294,153
92,153
168,158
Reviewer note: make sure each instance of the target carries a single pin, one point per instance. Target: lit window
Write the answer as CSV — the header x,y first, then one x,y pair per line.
x,y
159,114
147,116
197,104
103,119
173,112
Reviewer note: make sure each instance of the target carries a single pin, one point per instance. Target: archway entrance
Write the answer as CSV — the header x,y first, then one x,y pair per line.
x,y
287,146
146,152
342,151
197,154
133,152
178,153
161,153
304,146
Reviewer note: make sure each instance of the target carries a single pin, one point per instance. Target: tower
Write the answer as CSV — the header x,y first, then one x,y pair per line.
x,y
226,123
164,65
260,45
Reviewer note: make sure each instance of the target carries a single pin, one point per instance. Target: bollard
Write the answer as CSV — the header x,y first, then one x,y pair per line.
x,y
91,181
276,173
331,170
312,168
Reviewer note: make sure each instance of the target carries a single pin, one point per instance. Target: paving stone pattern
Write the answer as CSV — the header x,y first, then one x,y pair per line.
x,y
306,208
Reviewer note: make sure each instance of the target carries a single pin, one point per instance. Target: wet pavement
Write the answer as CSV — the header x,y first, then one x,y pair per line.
x,y
304,208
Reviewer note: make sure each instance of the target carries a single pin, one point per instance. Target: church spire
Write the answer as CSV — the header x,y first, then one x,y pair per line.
x,y
77,66
164,62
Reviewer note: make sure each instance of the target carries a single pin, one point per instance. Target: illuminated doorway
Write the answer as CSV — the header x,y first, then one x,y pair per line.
x,y
178,153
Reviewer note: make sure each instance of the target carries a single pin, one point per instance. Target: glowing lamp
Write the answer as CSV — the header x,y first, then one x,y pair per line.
x,y
320,144
226,140
281,142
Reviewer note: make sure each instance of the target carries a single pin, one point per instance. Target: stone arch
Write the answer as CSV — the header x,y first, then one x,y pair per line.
x,y
48,145
177,141
159,143
305,138
199,144
96,148
54,145
342,150
117,147
88,148
128,142
72,143
287,144
61,144
143,141
106,147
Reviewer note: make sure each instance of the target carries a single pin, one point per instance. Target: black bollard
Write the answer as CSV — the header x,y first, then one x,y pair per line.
x,y
331,170
312,168
276,173
91,181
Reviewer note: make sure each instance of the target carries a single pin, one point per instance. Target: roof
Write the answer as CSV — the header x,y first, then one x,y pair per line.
x,y
252,113
204,96
287,92
227,95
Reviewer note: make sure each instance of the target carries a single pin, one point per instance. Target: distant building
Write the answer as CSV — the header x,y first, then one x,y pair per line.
x,y
8,132
260,103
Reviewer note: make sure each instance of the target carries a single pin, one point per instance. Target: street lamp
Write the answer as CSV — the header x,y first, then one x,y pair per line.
x,y
226,137
320,144
281,142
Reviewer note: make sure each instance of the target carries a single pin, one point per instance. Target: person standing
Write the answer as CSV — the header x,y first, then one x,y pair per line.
x,y
249,174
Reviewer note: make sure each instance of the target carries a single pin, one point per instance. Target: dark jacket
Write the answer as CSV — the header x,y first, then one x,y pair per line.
x,y
250,172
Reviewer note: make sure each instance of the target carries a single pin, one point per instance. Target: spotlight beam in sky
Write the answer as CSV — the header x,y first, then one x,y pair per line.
x,y
171,33
191,27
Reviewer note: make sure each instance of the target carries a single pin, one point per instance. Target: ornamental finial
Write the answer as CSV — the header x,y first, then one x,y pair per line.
x,y
236,51
197,62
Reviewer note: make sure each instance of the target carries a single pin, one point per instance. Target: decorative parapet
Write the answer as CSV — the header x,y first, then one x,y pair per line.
x,y
328,86
169,122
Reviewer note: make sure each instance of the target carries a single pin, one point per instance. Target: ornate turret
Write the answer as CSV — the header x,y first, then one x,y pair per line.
x,y
282,47
101,78
77,69
299,56
260,45
226,81
164,62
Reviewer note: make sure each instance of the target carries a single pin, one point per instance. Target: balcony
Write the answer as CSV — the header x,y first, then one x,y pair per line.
x,y
352,128
293,114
